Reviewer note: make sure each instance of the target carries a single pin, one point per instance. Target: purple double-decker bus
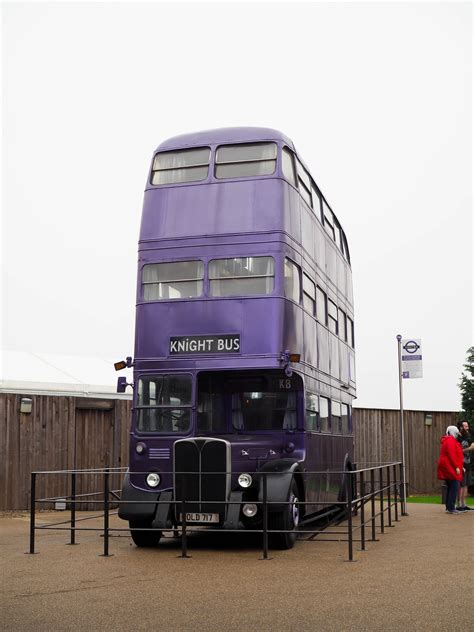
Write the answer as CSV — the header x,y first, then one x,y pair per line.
x,y
244,345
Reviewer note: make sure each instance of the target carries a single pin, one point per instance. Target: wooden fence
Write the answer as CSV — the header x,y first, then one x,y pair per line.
x,y
65,432
60,433
377,437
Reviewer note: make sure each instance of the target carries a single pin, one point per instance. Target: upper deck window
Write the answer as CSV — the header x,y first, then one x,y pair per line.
x,y
346,247
185,165
332,317
339,239
304,183
321,307
288,166
246,159
329,221
181,279
242,276
316,200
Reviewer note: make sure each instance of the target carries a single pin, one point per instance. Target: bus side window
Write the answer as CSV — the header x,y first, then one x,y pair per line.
x,y
292,281
324,414
345,419
332,317
336,417
350,332
309,294
311,411
288,166
317,208
304,183
328,221
342,325
321,307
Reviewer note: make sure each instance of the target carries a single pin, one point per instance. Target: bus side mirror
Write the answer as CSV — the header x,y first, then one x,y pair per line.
x,y
122,384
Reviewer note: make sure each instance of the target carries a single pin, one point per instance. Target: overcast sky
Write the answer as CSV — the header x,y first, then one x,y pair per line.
x,y
375,96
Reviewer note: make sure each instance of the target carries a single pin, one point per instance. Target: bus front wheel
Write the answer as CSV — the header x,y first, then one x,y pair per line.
x,y
146,539
287,521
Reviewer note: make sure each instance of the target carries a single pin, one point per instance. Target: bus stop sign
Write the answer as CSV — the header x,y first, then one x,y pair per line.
x,y
411,358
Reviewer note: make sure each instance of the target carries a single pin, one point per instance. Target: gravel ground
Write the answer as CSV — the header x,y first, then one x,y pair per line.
x,y
413,577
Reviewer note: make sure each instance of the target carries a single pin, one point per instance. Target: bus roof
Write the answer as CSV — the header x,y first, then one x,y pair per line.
x,y
224,135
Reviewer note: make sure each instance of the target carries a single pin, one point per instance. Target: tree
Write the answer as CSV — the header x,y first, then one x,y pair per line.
x,y
467,388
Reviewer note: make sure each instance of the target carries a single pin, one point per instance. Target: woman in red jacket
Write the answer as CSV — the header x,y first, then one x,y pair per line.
x,y
450,464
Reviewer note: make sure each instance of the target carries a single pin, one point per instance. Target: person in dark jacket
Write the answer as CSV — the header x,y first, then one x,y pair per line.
x,y
450,467
464,439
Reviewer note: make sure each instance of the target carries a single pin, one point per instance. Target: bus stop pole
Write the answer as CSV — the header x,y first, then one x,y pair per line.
x,y
402,430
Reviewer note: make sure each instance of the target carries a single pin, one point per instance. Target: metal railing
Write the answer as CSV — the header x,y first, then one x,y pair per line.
x,y
372,493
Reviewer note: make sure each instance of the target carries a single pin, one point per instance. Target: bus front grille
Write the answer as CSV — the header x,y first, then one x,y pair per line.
x,y
202,474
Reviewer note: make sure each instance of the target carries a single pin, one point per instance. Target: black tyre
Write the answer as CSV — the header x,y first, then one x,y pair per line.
x,y
286,520
146,539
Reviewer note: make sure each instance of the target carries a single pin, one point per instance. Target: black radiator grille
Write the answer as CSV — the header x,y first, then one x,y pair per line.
x,y
200,457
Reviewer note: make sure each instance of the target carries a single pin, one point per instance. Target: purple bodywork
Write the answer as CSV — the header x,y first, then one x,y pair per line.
x,y
243,217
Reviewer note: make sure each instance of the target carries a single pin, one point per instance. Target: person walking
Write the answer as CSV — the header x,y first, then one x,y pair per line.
x,y
450,467
465,443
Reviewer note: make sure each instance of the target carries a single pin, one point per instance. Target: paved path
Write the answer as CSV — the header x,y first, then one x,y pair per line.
x,y
417,576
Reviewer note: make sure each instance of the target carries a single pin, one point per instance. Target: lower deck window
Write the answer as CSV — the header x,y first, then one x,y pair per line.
x,y
311,411
336,417
324,414
164,404
345,421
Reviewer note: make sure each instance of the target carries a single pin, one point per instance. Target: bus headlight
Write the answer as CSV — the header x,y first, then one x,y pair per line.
x,y
140,448
244,480
249,510
153,479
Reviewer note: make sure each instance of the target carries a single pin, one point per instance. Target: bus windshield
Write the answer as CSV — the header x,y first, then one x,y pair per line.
x,y
164,404
246,404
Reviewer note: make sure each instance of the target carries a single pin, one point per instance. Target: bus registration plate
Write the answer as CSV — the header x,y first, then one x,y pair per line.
x,y
200,517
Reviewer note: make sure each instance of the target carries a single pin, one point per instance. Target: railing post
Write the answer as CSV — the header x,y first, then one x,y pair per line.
x,y
265,516
389,497
184,537
372,503
73,508
395,492
382,517
349,516
106,513
362,512
32,512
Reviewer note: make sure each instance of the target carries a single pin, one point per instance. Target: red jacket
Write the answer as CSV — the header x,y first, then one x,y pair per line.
x,y
451,457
